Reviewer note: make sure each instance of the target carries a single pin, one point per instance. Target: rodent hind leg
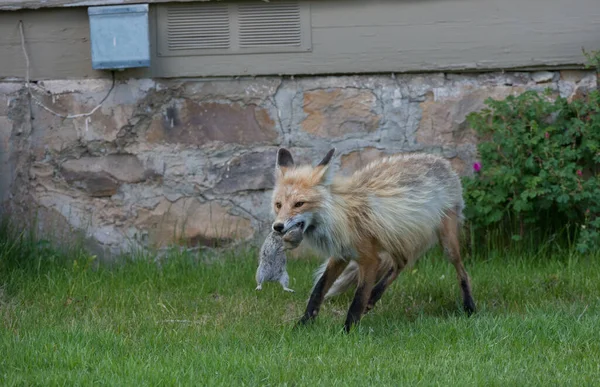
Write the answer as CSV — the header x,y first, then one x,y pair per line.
x,y
284,280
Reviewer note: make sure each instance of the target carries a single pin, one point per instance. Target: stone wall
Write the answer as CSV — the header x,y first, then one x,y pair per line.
x,y
191,162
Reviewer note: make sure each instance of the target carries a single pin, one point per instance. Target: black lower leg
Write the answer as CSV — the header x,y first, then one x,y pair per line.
x,y
379,289
356,308
314,303
468,302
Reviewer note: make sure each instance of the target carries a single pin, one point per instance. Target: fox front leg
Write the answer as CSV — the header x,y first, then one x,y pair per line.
x,y
332,272
367,267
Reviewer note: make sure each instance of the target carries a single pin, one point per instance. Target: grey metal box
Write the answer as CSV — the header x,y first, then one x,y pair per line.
x,y
119,36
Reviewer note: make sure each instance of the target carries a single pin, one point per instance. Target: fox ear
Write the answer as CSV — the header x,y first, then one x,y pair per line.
x,y
322,169
284,160
327,158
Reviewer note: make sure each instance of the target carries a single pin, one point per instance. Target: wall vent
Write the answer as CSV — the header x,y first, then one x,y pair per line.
x,y
193,28
275,25
248,27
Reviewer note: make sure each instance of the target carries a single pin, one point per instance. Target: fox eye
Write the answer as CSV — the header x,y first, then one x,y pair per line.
x,y
298,204
278,205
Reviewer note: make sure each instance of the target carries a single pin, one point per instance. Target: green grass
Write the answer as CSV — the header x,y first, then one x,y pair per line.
x,y
196,320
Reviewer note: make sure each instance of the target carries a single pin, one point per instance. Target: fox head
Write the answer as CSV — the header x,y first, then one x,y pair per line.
x,y
300,191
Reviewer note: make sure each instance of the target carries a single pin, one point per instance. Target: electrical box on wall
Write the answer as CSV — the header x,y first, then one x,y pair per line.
x,y
119,36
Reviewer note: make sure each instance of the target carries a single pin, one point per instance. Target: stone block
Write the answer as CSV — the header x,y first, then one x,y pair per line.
x,y
102,176
190,222
191,123
542,76
248,172
444,119
357,159
338,112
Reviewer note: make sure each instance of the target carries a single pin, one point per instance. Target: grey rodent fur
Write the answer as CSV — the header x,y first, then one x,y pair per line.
x,y
272,257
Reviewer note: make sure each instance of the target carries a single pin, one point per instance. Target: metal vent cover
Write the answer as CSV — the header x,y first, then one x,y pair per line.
x,y
277,24
191,27
248,27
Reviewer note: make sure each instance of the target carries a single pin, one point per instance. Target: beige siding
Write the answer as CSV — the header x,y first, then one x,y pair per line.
x,y
57,42
347,37
13,5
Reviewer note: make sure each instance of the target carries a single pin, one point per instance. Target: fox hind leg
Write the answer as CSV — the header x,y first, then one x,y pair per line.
x,y
367,265
385,283
450,243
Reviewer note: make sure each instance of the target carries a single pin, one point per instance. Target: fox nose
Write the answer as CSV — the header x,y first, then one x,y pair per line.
x,y
278,227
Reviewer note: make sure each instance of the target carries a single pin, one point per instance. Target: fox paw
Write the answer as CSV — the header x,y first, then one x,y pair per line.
x,y
259,287
288,290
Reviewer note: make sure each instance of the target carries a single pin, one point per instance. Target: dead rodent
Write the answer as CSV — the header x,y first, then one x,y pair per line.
x,y
272,258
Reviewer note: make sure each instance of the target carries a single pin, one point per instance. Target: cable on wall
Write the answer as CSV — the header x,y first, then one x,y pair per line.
x,y
40,103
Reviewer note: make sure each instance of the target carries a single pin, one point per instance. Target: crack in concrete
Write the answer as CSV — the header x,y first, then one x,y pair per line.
x,y
235,205
273,99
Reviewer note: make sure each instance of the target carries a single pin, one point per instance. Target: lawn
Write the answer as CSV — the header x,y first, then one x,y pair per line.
x,y
197,320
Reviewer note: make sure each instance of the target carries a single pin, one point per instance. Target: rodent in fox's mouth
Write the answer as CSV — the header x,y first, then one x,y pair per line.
x,y
293,237
299,225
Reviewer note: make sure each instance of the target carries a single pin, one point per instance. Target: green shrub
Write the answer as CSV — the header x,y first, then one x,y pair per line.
x,y
538,170
593,59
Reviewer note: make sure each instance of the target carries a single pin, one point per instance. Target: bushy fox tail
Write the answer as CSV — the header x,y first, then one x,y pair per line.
x,y
349,277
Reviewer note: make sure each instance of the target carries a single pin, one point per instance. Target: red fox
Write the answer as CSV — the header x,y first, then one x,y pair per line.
x,y
396,207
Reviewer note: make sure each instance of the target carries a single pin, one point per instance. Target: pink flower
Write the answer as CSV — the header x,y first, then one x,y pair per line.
x,y
579,173
547,135
477,167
